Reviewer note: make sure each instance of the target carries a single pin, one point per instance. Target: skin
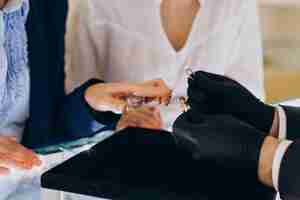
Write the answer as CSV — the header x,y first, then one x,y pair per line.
x,y
3,3
267,156
113,96
143,117
12,154
177,18
275,127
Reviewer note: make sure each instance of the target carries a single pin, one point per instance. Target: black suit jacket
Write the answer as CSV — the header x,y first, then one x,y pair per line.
x,y
52,117
289,178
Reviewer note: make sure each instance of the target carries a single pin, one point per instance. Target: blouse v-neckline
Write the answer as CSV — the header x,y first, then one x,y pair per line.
x,y
188,43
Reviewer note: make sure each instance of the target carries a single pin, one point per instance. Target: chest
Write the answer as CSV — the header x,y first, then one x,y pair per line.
x,y
177,20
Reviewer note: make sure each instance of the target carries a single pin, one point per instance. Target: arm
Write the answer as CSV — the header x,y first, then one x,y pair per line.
x,y
246,62
77,119
279,167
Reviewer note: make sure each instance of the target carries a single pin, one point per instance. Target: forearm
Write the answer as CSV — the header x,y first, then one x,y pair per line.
x,y
274,132
74,109
266,160
273,160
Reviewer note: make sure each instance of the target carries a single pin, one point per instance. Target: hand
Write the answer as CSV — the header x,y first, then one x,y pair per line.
x,y
215,94
13,154
221,138
144,117
113,96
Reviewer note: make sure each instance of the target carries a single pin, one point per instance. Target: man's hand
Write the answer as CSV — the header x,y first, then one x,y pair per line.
x,y
113,96
15,155
215,94
144,117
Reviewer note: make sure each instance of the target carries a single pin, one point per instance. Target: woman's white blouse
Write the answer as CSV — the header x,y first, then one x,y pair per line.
x,y
124,41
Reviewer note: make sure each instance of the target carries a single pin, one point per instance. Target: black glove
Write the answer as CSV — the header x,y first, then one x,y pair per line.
x,y
220,138
215,94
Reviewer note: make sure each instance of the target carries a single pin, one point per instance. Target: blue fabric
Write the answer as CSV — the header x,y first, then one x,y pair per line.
x,y
14,73
75,119
54,118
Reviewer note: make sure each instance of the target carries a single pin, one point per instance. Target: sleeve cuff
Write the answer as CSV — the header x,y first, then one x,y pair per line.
x,y
279,154
75,110
282,123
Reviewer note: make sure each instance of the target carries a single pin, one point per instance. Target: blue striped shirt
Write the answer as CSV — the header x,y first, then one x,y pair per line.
x,y
14,71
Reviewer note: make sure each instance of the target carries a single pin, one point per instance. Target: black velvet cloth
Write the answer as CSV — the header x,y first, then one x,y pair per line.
x,y
146,164
293,122
289,179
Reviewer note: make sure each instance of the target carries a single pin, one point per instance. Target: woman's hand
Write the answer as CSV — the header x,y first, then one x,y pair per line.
x,y
14,155
144,117
113,96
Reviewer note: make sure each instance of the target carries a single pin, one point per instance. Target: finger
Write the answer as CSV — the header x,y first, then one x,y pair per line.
x,y
13,139
24,155
155,111
153,88
142,120
137,123
4,171
146,114
109,88
109,103
125,124
15,151
147,120
8,161
22,152
166,99
34,157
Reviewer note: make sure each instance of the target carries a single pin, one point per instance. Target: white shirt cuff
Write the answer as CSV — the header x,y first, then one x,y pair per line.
x,y
279,154
282,123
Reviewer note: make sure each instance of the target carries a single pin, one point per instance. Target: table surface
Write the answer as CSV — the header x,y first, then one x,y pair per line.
x,y
25,185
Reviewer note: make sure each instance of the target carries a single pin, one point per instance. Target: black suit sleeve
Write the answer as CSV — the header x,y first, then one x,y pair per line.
x,y
293,122
289,178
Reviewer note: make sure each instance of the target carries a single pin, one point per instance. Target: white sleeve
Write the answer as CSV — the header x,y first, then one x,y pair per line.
x,y
82,60
279,154
246,60
282,123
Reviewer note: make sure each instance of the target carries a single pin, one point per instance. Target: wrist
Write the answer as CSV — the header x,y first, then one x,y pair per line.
x,y
274,132
266,160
